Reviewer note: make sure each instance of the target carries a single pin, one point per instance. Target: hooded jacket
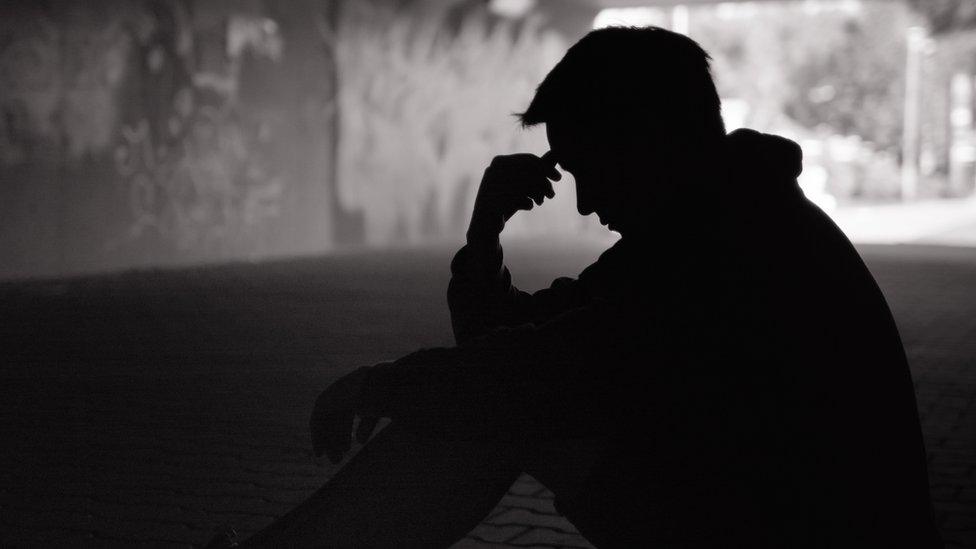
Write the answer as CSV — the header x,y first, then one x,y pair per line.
x,y
744,369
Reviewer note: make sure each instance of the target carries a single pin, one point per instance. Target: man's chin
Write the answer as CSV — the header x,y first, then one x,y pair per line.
x,y
610,225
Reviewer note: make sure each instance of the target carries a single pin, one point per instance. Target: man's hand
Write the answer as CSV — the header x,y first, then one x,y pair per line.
x,y
332,418
511,183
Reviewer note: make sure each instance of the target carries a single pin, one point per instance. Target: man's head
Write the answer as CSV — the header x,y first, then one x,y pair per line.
x,y
628,111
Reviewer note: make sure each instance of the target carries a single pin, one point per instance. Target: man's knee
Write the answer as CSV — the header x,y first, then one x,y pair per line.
x,y
564,465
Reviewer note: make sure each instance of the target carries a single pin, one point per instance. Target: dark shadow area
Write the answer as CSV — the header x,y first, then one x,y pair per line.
x,y
727,374
187,434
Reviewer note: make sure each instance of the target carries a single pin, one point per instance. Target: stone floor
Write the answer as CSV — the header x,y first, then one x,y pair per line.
x,y
150,408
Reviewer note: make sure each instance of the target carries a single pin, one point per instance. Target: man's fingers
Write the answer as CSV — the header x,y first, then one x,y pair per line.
x,y
334,456
544,190
515,182
544,166
366,427
549,162
344,438
338,437
317,446
323,438
316,427
331,429
538,197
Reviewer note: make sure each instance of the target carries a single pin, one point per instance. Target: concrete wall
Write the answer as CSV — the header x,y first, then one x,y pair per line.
x,y
161,132
153,133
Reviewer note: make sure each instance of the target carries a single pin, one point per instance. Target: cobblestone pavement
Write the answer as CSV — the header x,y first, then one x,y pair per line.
x,y
150,408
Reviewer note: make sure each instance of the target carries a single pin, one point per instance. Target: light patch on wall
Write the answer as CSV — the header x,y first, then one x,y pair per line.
x,y
259,34
511,8
425,108
60,83
628,17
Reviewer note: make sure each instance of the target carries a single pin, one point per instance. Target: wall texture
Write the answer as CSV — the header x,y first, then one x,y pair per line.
x,y
147,133
160,132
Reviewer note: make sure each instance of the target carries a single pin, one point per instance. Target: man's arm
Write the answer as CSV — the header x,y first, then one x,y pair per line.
x,y
500,376
525,380
556,378
481,296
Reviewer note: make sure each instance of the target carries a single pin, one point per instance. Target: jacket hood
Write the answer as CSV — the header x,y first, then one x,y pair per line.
x,y
764,156
762,170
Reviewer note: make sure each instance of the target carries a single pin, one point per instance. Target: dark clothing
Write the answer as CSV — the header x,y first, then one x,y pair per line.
x,y
741,363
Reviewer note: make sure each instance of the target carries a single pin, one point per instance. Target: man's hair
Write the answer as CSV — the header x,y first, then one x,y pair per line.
x,y
644,81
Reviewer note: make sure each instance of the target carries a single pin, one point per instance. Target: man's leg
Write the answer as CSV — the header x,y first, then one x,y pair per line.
x,y
401,490
563,465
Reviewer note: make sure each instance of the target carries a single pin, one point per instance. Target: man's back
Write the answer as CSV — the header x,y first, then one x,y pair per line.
x,y
727,375
775,405
744,371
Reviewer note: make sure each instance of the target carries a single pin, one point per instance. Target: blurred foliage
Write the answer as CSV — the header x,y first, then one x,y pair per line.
x,y
856,86
426,99
60,72
120,82
166,93
192,162
947,15
830,75
208,190
843,69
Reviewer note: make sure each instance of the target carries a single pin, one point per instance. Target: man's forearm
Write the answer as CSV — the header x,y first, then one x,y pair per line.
x,y
524,377
445,398
483,258
477,277
432,387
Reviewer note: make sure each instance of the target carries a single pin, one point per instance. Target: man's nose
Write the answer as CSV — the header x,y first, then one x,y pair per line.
x,y
584,202
584,208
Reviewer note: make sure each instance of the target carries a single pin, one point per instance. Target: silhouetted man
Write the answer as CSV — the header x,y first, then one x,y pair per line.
x,y
728,374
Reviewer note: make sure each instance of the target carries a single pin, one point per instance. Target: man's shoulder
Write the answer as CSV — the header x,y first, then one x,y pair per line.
x,y
617,254
612,260
619,273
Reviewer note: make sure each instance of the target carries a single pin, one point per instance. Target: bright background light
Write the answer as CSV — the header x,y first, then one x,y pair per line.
x,y
627,17
511,8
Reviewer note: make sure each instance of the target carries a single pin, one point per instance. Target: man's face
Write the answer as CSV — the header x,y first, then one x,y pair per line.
x,y
598,171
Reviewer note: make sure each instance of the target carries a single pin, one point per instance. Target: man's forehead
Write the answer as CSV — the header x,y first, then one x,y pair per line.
x,y
566,125
567,135
570,141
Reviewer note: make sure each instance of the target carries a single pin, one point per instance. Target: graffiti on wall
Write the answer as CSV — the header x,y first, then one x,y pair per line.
x,y
209,188
148,88
60,76
162,131
194,165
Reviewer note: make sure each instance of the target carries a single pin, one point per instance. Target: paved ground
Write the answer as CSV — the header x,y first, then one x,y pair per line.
x,y
150,408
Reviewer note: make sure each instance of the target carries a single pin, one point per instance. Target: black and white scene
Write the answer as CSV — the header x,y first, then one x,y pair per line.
x,y
488,274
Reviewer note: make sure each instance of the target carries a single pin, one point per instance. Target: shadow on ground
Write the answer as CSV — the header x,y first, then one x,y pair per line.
x,y
153,407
